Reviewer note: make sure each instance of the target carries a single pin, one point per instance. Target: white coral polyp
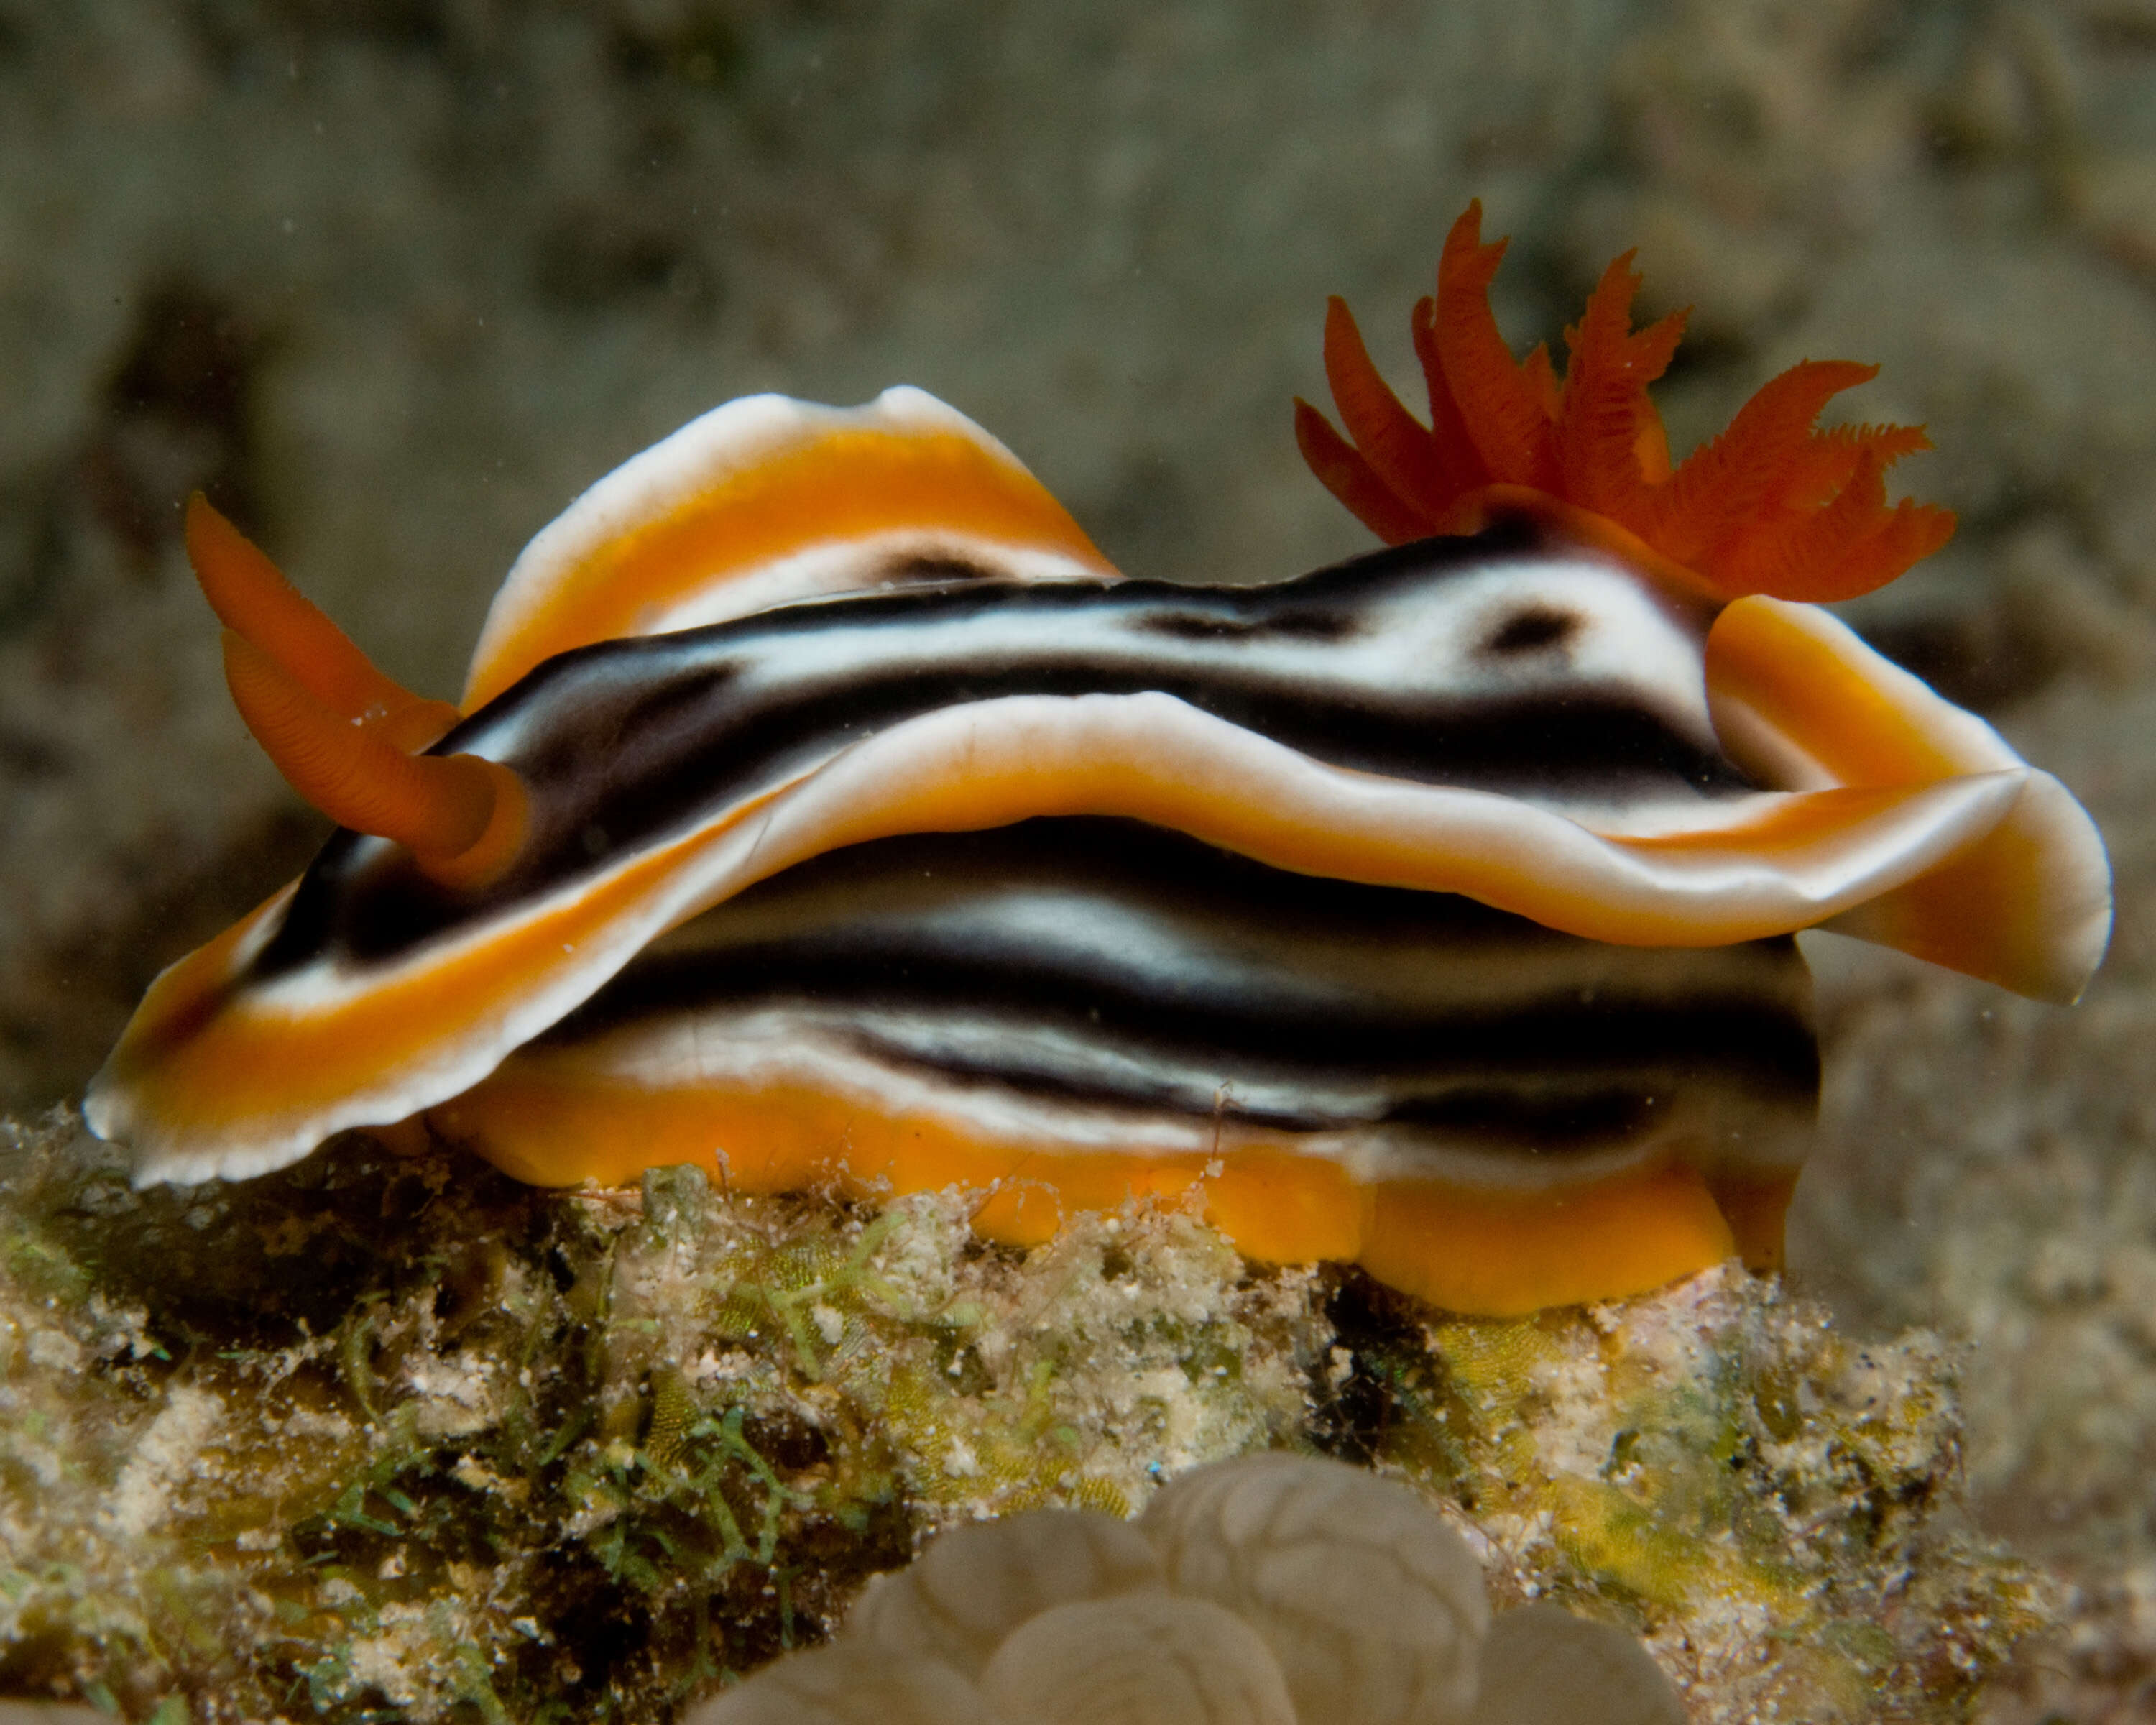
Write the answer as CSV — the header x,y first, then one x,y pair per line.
x,y
1374,1608
1272,1590
851,1683
1541,1665
976,1584
1143,1659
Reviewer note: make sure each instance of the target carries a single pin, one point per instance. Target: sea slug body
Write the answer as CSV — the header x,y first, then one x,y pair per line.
x,y
822,807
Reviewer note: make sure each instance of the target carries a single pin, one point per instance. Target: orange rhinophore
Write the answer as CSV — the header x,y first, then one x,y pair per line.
x,y
342,733
252,599
1772,506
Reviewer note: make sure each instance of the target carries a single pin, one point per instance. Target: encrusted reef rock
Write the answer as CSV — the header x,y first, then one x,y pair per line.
x,y
383,1438
1715,1466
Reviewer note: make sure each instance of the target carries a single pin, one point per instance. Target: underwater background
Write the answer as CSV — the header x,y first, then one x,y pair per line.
x,y
393,280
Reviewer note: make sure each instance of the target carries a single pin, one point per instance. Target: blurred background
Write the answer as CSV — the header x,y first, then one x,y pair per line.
x,y
394,279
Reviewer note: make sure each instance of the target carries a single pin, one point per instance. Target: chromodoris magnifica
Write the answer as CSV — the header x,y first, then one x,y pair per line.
x,y
823,809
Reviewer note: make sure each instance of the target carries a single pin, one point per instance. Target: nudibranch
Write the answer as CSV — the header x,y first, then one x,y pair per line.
x,y
823,809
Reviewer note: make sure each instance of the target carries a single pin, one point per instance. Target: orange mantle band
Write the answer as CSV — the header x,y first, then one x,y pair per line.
x,y
1489,1253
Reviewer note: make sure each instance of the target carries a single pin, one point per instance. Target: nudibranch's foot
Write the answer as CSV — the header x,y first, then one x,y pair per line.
x,y
1488,1251
1065,1015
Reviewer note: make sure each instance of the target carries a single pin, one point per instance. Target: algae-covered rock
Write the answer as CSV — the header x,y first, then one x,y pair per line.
x,y
388,1436
378,1437
1716,1468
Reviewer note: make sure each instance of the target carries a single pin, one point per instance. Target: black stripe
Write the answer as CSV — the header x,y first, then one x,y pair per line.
x,y
1247,1009
627,741
1542,1112
1760,1043
1727,1026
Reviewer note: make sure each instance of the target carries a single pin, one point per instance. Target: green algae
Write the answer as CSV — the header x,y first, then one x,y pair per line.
x,y
379,1439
